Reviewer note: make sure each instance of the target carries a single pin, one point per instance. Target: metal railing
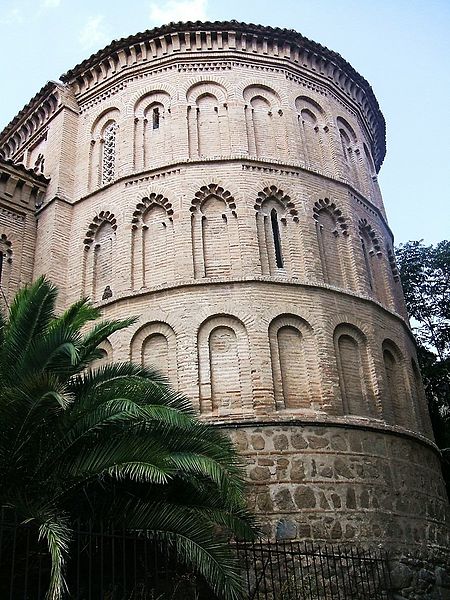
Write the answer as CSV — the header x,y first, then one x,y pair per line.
x,y
305,571
112,564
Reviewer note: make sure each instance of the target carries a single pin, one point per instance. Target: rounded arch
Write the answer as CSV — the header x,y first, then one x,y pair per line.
x,y
262,90
204,88
100,122
350,345
344,125
294,358
224,366
395,390
306,103
154,344
163,94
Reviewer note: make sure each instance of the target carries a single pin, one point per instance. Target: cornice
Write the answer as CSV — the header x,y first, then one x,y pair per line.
x,y
34,117
23,173
224,36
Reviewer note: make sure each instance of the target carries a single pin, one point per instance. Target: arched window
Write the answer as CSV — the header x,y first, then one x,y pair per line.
x,y
352,362
109,153
276,238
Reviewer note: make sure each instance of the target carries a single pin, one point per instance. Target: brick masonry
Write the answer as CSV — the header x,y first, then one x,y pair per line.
x,y
220,182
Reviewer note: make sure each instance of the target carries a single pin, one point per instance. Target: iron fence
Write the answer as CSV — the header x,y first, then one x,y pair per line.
x,y
304,571
111,564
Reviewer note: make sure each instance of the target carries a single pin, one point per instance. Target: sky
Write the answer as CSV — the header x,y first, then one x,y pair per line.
x,y
402,47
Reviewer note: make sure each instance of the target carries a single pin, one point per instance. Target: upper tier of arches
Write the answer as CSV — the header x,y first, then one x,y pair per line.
x,y
211,119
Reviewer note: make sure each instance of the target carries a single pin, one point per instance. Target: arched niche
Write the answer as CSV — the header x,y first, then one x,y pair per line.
x,y
264,125
374,262
214,232
154,345
224,367
332,234
208,126
395,387
313,133
294,359
350,345
349,151
98,263
152,242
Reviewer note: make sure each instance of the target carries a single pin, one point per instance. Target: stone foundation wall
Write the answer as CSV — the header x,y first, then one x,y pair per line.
x,y
354,485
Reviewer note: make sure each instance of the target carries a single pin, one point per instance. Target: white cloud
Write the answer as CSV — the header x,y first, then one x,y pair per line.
x,y
13,16
178,10
94,34
50,3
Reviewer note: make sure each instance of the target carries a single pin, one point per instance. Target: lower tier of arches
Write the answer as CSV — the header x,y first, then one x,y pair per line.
x,y
258,349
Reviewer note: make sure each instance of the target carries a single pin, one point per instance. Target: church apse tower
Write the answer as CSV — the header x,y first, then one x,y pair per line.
x,y
219,180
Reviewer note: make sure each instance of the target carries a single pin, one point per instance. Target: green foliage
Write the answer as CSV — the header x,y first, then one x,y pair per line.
x,y
425,276
77,442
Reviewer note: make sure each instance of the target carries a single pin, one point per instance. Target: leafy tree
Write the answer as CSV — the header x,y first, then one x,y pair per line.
x,y
78,441
425,276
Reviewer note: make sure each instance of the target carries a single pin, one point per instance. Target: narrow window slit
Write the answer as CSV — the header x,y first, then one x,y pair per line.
x,y
276,238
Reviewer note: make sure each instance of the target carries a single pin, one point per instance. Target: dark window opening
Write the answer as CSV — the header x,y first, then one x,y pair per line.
x,y
156,118
276,238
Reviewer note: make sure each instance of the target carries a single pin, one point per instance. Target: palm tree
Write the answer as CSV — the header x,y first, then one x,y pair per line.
x,y
78,441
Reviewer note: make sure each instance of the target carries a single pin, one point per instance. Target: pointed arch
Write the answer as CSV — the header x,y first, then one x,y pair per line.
x,y
332,233
214,232
275,216
152,242
99,246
